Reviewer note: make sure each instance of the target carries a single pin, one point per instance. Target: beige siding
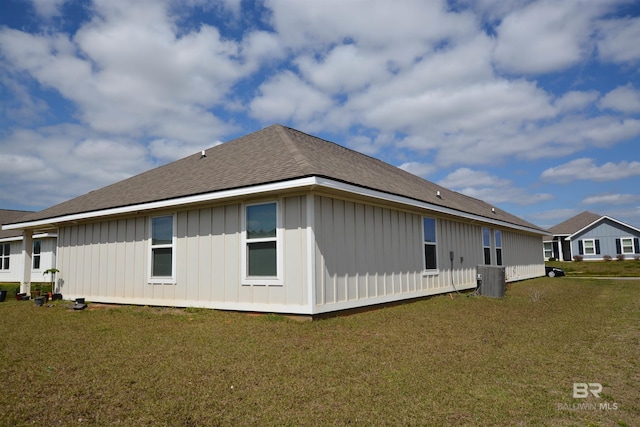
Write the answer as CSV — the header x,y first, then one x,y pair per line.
x,y
364,254
522,256
104,259
108,261
370,254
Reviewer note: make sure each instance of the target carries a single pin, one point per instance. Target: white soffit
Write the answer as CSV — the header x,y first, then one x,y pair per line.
x,y
312,181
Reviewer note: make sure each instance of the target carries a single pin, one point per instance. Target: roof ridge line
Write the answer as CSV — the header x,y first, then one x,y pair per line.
x,y
297,154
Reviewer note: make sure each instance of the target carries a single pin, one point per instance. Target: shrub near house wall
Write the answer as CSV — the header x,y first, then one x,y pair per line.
x,y
11,288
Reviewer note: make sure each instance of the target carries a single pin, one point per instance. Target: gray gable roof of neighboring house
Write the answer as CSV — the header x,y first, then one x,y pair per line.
x,y
271,155
8,216
575,223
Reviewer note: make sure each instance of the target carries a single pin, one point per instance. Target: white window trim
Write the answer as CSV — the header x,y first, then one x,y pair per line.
x,y
491,257
593,246
495,241
622,246
4,255
262,281
436,271
550,250
162,280
34,255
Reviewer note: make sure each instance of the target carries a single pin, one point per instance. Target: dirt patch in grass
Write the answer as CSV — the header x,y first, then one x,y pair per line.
x,y
441,361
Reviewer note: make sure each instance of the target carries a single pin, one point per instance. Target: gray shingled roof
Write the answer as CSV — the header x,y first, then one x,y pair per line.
x,y
273,154
575,223
8,216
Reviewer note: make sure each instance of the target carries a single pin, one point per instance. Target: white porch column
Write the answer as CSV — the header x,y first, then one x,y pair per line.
x,y
27,252
560,255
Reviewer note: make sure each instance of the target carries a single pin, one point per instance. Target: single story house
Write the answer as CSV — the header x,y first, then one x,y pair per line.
x,y
43,249
279,221
592,237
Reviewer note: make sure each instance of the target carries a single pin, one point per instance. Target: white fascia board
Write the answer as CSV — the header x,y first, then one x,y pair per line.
x,y
35,236
329,183
593,224
312,181
219,195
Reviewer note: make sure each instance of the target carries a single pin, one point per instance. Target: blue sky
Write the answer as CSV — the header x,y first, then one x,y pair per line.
x,y
530,105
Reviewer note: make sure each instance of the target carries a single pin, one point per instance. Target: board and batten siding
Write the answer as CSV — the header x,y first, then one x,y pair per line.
x,y
369,254
109,261
16,261
521,256
606,232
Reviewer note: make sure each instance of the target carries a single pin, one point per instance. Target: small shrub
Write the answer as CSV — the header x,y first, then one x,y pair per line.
x,y
536,295
578,258
552,259
607,258
11,288
620,257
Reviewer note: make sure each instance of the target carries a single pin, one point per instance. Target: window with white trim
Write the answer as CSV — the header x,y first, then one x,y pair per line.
x,y
430,244
626,243
162,248
589,246
37,249
497,237
5,255
486,245
261,241
548,250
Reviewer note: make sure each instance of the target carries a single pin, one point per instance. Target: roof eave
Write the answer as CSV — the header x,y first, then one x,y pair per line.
x,y
602,218
350,188
298,183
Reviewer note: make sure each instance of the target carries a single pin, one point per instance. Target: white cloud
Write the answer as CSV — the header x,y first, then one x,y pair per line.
x,y
48,8
20,106
286,97
169,150
490,188
417,168
465,177
399,80
52,164
586,169
373,24
611,199
345,68
618,40
623,98
129,72
576,100
545,36
629,215
554,216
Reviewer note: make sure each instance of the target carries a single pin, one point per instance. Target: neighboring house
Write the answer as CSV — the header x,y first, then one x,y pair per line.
x,y
12,251
592,237
279,221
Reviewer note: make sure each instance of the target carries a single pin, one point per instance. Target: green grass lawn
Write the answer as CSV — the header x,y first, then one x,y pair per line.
x,y
627,268
440,361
